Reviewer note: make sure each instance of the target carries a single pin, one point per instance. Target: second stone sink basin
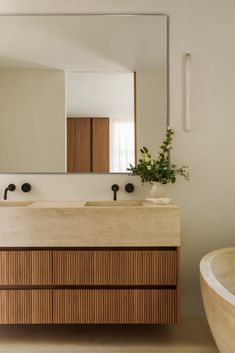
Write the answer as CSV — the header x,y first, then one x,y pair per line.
x,y
15,203
114,203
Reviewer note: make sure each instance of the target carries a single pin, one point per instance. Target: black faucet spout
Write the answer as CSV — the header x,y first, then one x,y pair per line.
x,y
11,187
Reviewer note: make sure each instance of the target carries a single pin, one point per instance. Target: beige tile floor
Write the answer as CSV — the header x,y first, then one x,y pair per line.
x,y
191,335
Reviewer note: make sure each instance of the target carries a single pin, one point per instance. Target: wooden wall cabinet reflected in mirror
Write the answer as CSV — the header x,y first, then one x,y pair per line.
x,y
101,121
88,145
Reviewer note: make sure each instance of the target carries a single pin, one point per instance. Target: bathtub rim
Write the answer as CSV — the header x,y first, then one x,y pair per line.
x,y
208,276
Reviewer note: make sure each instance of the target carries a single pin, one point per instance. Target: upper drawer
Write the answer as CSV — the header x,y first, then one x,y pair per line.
x,y
25,267
115,267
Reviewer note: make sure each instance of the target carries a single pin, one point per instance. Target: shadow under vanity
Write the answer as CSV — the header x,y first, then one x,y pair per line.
x,y
90,263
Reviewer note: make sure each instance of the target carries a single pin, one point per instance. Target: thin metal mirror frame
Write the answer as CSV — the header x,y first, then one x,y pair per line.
x,y
102,15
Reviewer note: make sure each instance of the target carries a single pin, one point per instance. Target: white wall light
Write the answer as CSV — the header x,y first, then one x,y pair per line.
x,y
188,123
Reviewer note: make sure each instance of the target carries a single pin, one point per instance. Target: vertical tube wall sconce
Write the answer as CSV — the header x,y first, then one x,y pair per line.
x,y
188,123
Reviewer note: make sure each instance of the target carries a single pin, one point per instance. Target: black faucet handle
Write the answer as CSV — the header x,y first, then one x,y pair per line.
x,y
129,187
11,187
26,187
115,187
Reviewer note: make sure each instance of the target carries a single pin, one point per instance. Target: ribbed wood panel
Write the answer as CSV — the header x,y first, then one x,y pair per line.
x,y
115,267
25,267
25,306
133,268
114,306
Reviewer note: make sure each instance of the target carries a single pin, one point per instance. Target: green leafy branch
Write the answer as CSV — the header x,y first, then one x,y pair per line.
x,y
158,170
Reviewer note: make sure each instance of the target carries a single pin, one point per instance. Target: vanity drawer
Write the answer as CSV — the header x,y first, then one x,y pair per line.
x,y
114,306
115,267
25,306
25,267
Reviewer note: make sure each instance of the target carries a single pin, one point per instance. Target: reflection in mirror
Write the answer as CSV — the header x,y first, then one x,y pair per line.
x,y
81,94
100,125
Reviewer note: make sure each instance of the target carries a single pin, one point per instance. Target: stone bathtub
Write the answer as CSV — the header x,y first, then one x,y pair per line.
x,y
217,275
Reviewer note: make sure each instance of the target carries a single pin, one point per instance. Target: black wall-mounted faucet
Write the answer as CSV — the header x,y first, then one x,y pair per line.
x,y
115,189
11,187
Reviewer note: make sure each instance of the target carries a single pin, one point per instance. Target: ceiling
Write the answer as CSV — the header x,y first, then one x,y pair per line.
x,y
84,43
100,95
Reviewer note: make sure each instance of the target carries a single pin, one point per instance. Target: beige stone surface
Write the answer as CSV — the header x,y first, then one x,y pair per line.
x,y
71,224
116,203
95,203
191,335
218,291
15,203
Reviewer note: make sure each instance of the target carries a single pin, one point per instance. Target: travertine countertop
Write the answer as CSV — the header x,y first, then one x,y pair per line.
x,y
73,224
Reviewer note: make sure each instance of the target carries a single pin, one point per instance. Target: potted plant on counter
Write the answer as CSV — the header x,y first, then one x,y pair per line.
x,y
159,171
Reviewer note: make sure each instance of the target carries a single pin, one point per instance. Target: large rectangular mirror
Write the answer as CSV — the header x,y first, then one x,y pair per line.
x,y
81,93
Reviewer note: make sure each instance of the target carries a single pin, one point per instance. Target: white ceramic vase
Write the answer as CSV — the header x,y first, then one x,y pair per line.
x,y
158,190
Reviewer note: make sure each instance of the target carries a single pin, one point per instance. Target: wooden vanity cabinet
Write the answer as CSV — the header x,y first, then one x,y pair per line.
x,y
89,285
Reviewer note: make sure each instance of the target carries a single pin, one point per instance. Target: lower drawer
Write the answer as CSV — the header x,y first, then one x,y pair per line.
x,y
114,306
25,306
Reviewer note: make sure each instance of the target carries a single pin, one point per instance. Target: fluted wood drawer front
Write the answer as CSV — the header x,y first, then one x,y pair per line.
x,y
115,267
25,306
114,306
25,267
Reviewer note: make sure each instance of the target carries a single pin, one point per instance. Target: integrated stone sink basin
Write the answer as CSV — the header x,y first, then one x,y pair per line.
x,y
114,203
123,223
15,203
